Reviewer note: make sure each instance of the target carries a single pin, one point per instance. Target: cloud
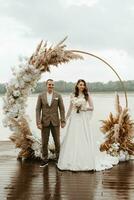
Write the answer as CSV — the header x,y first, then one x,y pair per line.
x,y
105,24
79,2
100,26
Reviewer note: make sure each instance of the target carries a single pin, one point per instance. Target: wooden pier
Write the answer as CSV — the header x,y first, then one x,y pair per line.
x,y
27,181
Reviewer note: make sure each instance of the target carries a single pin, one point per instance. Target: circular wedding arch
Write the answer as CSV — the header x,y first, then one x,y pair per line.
x,y
105,62
25,80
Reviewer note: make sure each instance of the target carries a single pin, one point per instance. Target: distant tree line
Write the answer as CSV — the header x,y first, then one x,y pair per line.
x,y
67,87
2,88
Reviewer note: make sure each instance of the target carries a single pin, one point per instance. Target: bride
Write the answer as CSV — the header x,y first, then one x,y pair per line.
x,y
79,150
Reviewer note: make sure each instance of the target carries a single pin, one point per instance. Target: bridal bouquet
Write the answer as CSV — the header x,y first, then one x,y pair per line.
x,y
78,103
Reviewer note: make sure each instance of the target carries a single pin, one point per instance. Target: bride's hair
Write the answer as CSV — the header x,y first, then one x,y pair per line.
x,y
85,91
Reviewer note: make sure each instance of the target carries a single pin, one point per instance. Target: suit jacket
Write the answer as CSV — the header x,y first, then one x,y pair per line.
x,y
46,114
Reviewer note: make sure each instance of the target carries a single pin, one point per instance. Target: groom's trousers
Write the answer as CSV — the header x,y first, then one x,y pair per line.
x,y
45,132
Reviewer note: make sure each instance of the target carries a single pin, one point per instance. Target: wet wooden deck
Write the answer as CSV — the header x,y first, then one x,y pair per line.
x,y
26,180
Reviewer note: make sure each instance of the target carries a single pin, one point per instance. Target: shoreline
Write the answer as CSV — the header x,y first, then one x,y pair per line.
x,y
68,93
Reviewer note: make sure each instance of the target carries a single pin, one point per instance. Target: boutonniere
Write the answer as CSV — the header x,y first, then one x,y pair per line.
x,y
56,98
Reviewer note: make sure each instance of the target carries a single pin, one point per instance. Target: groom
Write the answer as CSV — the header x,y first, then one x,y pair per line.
x,y
48,106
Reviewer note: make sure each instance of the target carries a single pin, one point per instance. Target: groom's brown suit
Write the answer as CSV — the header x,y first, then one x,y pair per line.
x,y
48,117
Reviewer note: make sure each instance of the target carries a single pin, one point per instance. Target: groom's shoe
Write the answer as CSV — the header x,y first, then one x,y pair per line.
x,y
55,160
44,163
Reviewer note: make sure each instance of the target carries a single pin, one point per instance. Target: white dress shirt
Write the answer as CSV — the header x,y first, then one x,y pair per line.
x,y
49,98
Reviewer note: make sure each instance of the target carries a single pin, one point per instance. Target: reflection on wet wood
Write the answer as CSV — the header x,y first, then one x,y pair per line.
x,y
26,180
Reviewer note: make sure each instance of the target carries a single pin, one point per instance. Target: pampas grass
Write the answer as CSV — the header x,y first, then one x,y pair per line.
x,y
119,129
45,56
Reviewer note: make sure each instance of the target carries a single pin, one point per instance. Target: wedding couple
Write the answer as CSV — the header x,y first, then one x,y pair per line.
x,y
78,150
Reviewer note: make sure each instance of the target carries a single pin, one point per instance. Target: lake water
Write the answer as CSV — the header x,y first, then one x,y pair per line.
x,y
103,103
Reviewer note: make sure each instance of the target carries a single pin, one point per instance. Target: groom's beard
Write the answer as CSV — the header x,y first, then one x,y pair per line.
x,y
50,90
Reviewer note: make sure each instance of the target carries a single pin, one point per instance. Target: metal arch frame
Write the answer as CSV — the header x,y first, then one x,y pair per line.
x,y
121,81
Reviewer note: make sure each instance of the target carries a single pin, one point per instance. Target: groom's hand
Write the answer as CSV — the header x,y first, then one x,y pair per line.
x,y
63,124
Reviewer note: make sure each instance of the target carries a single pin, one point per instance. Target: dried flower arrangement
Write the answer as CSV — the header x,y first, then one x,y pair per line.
x,y
119,133
19,88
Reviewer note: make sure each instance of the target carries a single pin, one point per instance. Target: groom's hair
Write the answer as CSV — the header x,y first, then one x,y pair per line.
x,y
49,80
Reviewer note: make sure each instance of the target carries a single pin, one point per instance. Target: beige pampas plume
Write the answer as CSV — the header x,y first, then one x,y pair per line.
x,y
20,138
53,55
122,116
38,47
62,41
118,108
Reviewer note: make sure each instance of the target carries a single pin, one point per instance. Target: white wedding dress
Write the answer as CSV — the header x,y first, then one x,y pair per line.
x,y
79,150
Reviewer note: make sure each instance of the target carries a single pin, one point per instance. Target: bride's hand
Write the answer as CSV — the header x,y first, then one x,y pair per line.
x,y
63,124
39,126
89,109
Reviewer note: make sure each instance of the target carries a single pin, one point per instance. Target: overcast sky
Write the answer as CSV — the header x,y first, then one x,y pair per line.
x,y
102,27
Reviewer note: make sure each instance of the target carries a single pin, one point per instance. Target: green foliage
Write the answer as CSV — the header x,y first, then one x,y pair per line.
x,y
68,87
2,88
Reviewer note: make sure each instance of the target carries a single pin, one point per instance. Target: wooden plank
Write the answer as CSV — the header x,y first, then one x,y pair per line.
x,y
26,180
